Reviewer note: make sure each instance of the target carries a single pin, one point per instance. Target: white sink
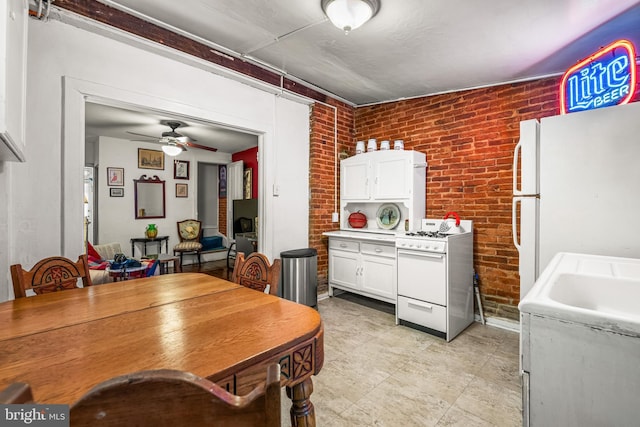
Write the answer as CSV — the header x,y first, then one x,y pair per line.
x,y
600,291
616,296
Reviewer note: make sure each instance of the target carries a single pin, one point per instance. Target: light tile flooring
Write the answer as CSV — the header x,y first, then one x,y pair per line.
x,y
378,374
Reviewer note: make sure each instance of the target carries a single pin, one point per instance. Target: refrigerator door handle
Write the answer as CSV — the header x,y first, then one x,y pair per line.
x,y
516,155
514,220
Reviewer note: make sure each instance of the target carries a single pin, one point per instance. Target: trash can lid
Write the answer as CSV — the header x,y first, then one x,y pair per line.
x,y
299,253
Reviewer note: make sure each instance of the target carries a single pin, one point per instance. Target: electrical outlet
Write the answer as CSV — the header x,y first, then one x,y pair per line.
x,y
276,190
335,217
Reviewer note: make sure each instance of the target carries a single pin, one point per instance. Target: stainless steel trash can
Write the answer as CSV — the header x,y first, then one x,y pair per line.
x,y
299,278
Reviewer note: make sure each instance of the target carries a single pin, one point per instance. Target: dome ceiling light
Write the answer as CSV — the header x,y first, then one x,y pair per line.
x,y
350,14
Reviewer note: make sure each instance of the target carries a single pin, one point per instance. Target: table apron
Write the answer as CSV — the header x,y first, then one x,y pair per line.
x,y
296,365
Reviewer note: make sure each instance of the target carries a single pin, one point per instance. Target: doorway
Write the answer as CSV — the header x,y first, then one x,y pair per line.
x,y
208,196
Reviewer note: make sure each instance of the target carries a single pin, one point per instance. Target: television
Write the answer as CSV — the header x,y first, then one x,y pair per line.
x,y
244,213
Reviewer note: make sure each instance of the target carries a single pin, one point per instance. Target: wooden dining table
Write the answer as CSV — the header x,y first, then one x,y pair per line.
x,y
64,343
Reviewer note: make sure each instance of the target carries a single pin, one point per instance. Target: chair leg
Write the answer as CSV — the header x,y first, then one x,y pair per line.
x,y
198,258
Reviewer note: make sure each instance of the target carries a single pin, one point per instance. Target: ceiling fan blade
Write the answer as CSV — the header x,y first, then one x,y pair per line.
x,y
201,147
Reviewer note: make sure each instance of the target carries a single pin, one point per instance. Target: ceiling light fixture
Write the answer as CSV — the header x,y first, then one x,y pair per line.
x,y
350,14
171,149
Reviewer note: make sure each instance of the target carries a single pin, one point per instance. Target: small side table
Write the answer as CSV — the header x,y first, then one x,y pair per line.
x,y
165,259
146,240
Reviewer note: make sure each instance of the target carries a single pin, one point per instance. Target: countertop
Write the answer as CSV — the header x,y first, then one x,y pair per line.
x,y
389,237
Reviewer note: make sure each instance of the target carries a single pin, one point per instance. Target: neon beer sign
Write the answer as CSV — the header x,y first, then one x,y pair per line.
x,y
608,77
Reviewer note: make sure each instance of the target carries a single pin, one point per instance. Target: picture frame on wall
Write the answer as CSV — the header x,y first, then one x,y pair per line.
x,y
150,159
181,169
222,181
182,190
115,177
116,192
247,183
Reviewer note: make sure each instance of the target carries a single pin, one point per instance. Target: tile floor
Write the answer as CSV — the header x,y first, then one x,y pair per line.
x,y
378,374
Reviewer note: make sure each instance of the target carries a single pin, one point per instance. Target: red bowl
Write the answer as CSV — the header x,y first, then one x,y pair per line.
x,y
357,220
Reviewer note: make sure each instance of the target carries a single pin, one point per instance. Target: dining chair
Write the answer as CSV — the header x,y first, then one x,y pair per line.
x,y
177,399
50,275
16,393
189,233
255,272
242,244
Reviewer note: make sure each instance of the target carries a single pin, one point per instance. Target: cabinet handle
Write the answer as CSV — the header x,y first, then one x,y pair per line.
x,y
378,250
421,305
343,245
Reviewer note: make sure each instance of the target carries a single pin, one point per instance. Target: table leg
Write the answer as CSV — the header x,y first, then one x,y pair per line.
x,y
303,413
133,253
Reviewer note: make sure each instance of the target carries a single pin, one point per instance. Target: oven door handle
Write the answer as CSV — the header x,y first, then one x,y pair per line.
x,y
420,254
420,304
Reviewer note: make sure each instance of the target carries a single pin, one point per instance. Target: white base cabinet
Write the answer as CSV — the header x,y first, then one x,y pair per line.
x,y
363,267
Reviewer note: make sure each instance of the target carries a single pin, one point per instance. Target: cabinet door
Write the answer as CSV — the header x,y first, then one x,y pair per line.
x,y
13,60
354,179
379,276
343,268
392,178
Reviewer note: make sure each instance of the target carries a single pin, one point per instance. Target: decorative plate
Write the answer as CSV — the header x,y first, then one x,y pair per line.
x,y
388,216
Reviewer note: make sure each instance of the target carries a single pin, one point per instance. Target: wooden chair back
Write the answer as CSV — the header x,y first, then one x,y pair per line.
x,y
177,399
50,275
190,230
255,272
16,393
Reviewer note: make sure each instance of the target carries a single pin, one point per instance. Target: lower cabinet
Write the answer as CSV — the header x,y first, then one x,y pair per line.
x,y
363,267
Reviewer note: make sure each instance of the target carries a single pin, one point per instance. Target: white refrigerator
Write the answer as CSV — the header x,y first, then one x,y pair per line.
x,y
576,187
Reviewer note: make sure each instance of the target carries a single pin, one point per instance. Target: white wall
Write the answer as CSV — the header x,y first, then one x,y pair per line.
x,y
117,221
67,65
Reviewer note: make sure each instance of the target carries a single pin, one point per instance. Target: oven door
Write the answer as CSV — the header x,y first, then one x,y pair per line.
x,y
422,276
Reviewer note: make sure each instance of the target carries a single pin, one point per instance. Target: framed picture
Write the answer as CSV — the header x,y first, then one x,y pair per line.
x,y
115,177
247,183
222,181
150,159
181,169
116,192
182,190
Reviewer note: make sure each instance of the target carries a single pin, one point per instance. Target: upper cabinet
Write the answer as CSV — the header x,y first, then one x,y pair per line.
x,y
371,181
13,66
382,175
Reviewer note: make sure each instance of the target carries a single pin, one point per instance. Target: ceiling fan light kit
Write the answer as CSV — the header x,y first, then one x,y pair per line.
x,y
172,142
350,14
171,149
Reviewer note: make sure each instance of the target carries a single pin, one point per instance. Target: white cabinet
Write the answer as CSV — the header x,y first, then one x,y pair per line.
x,y
362,267
369,180
381,175
13,66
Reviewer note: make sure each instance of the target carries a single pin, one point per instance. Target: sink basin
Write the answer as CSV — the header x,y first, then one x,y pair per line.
x,y
607,295
599,291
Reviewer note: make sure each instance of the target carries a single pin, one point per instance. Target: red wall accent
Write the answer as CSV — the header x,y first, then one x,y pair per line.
x,y
250,159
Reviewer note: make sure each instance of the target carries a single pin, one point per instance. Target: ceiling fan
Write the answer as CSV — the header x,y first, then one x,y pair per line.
x,y
173,143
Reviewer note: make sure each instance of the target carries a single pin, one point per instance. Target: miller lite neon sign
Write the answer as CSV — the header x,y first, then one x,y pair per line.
x,y
608,77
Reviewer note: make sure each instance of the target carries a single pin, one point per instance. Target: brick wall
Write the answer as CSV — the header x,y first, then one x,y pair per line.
x,y
468,138
323,170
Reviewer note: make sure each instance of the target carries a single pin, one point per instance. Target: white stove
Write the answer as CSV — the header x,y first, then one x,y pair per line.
x,y
433,235
435,277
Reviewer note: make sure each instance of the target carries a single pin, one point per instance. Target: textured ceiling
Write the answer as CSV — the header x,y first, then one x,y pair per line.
x,y
411,47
